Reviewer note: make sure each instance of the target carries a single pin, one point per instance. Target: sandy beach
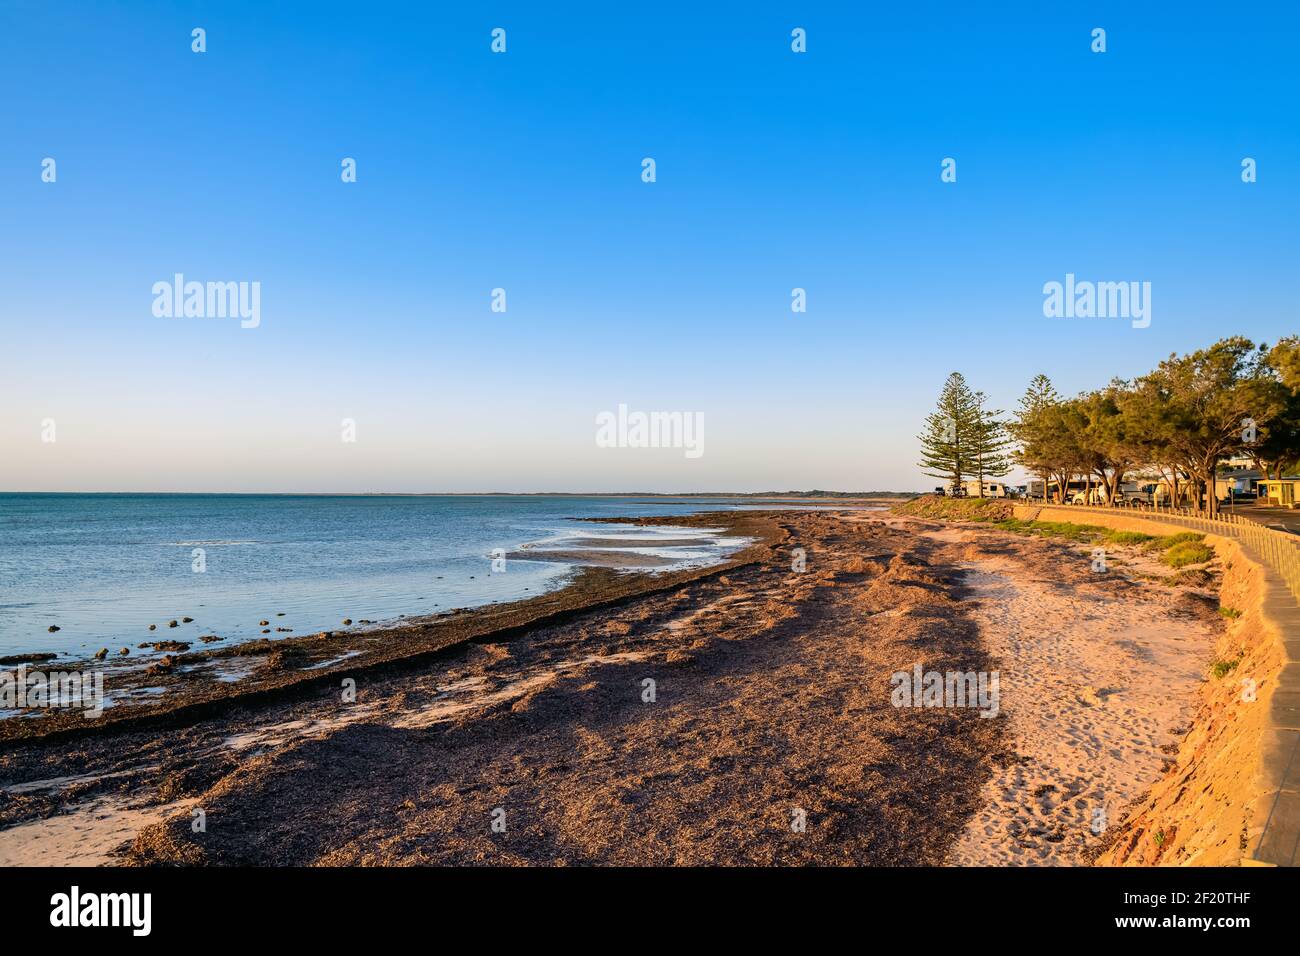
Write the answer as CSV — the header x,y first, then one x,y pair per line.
x,y
737,715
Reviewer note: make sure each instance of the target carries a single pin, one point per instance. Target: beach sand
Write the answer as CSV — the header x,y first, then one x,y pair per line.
x,y
1097,689
766,736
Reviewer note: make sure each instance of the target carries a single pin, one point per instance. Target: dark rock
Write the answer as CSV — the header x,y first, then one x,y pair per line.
x,y
286,658
161,666
27,658
167,645
52,628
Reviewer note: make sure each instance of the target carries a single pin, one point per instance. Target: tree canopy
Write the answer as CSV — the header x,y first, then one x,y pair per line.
x,y
1180,422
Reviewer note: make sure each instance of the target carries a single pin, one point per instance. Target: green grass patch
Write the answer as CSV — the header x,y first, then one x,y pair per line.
x,y
1231,613
1052,529
1128,537
1222,668
1166,542
1080,532
1187,552
1180,550
968,509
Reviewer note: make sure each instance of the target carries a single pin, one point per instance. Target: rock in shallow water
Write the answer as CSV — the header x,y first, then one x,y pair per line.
x,y
37,658
166,645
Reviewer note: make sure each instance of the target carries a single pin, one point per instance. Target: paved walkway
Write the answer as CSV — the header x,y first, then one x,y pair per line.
x,y
1282,519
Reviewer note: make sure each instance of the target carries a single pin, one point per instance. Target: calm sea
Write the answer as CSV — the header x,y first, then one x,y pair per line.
x,y
103,568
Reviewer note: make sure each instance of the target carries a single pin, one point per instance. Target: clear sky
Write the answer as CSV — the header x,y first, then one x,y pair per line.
x,y
522,171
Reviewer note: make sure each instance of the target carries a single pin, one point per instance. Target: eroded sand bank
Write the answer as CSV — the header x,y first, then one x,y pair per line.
x,y
1097,689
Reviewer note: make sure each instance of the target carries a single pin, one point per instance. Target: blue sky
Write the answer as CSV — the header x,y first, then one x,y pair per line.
x,y
522,171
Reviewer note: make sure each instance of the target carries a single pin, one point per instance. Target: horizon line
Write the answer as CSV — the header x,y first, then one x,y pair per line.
x,y
815,493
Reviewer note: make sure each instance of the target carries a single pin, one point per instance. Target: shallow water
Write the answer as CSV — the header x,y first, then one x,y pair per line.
x,y
104,567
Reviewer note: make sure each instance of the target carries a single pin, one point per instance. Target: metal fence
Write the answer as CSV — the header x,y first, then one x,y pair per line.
x,y
1279,549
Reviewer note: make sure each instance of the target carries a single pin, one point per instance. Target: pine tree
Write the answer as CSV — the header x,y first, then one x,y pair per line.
x,y
947,443
989,443
1033,431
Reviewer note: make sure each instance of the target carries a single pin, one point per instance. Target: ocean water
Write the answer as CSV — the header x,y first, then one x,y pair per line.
x,y
104,567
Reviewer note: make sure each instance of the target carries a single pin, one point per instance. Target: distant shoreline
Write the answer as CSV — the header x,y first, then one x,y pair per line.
x,y
750,495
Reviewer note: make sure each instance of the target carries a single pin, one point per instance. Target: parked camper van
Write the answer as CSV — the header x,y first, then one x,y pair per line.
x,y
992,489
1096,495
1134,493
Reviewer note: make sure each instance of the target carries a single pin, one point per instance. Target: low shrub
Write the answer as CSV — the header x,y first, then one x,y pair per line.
x,y
1052,529
969,509
1222,668
1168,541
1187,552
1128,537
